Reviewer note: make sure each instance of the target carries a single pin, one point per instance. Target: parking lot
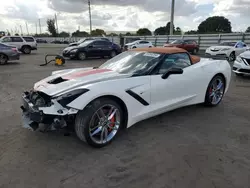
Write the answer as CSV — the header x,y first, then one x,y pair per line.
x,y
190,147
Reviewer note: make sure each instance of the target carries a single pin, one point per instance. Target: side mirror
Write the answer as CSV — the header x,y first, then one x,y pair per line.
x,y
173,70
91,46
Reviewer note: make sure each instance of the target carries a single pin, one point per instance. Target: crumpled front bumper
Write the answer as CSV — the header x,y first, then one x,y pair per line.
x,y
32,116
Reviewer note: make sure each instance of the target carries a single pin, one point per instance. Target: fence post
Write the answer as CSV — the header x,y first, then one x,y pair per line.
x,y
156,40
199,40
219,39
243,37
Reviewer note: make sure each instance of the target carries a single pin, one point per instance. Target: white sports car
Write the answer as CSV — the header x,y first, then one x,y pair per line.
x,y
241,65
138,44
229,50
133,86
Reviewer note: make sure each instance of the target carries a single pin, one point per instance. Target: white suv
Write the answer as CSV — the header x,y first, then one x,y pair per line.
x,y
23,43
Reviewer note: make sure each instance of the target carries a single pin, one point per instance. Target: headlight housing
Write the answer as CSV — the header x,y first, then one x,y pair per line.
x,y
67,98
74,51
225,49
239,59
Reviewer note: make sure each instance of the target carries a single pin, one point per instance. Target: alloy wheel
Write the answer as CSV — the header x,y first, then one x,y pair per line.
x,y
104,124
216,91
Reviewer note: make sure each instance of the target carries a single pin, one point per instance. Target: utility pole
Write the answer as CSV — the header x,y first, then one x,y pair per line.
x,y
56,24
36,28
40,26
27,28
21,30
172,18
90,20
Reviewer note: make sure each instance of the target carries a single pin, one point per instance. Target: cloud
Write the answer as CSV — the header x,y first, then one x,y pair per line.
x,y
121,15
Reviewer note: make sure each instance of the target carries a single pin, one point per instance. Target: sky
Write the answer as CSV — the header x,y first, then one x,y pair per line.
x,y
119,15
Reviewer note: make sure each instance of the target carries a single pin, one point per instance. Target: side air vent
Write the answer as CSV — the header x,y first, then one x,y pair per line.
x,y
57,80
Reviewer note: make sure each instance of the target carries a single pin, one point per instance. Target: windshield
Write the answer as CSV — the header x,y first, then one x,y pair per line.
x,y
177,42
227,43
81,41
132,62
86,43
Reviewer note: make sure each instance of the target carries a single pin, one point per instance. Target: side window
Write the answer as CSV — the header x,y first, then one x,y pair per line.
x,y
102,43
16,39
180,60
28,39
144,42
6,39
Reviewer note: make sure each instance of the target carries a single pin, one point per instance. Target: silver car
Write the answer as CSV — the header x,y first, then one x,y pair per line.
x,y
8,53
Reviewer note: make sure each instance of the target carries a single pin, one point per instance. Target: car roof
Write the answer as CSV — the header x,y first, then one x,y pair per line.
x,y
164,50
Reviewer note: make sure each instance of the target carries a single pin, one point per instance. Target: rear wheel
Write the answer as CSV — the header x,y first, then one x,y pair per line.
x,y
99,122
26,50
215,91
3,59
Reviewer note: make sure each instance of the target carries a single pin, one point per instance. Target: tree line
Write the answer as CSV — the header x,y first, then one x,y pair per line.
x,y
212,25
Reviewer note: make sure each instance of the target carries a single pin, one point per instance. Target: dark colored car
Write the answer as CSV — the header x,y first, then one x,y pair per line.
x,y
86,39
92,48
8,53
187,44
41,41
56,42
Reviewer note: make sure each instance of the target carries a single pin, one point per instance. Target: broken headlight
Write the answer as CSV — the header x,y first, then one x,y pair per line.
x,y
67,98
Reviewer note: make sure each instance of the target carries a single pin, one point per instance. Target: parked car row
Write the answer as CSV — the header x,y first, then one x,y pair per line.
x,y
92,48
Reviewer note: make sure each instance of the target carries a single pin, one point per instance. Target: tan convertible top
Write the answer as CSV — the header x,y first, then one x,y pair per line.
x,y
168,50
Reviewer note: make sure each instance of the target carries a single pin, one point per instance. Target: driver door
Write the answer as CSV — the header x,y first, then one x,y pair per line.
x,y
178,89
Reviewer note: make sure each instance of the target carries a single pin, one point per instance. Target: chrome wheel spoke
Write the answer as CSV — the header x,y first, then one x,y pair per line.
x,y
104,124
100,114
115,126
112,115
214,99
99,129
219,86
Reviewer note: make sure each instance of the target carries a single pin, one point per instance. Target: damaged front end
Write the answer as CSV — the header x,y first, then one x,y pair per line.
x,y
46,113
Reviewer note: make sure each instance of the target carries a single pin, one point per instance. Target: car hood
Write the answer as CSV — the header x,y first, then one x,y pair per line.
x,y
73,43
70,48
129,44
66,80
171,45
245,55
219,47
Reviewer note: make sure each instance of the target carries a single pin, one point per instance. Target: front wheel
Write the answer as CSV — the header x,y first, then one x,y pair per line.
x,y
99,122
81,55
232,57
215,91
113,54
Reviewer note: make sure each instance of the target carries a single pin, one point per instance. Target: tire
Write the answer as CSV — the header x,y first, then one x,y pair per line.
x,y
3,59
113,53
26,49
213,93
133,47
232,57
239,74
85,119
81,56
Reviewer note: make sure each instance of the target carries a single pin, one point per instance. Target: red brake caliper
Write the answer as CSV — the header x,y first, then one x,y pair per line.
x,y
112,124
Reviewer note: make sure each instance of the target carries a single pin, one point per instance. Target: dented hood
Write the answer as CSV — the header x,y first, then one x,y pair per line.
x,y
64,80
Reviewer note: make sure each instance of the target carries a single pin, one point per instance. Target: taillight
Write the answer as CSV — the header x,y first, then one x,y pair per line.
x,y
14,49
